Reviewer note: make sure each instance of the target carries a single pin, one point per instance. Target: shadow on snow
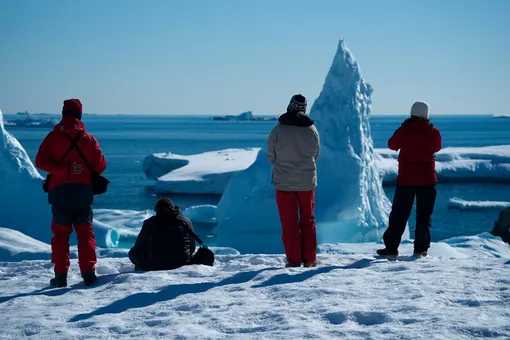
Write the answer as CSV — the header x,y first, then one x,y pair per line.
x,y
144,299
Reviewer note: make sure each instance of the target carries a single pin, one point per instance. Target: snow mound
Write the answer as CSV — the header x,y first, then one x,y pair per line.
x,y
456,164
460,291
24,205
205,173
457,203
350,203
15,246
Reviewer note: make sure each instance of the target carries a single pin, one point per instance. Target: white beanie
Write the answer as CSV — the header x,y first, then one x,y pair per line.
x,y
420,110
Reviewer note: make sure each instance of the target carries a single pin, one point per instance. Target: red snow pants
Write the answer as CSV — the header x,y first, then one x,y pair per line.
x,y
298,225
71,205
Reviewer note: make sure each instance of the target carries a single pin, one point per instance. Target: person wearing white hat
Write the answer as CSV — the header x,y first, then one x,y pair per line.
x,y
417,140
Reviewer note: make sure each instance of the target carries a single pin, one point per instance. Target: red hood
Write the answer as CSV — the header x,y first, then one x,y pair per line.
x,y
69,123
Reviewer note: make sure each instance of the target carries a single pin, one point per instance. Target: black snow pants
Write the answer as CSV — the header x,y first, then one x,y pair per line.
x,y
401,210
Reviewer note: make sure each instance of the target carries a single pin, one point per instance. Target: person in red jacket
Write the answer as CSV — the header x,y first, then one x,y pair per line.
x,y
70,191
418,140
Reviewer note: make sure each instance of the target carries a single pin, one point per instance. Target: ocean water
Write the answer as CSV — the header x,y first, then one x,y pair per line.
x,y
126,140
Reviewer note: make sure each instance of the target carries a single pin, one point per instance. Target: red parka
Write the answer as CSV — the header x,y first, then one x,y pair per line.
x,y
56,144
418,141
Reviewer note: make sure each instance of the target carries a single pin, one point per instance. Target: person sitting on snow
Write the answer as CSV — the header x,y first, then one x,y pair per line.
x,y
502,225
418,141
70,190
293,148
165,241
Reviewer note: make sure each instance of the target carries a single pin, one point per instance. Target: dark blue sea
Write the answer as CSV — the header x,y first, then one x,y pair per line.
x,y
127,139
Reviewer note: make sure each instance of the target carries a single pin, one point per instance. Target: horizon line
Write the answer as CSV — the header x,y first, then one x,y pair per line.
x,y
255,114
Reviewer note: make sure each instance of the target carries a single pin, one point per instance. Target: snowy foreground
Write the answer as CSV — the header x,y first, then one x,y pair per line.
x,y
461,291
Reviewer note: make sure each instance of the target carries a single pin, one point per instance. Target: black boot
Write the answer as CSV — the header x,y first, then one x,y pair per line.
x,y
89,278
60,280
387,253
420,253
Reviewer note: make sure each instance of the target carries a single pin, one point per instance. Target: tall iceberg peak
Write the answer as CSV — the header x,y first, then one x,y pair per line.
x,y
14,157
350,187
350,205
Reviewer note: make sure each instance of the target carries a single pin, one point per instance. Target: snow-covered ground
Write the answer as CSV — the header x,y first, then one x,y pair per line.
x,y
205,173
461,291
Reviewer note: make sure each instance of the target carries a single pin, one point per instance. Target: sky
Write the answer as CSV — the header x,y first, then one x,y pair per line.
x,y
230,56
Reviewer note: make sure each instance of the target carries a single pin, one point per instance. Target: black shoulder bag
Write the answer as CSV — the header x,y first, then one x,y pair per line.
x,y
99,182
203,255
46,182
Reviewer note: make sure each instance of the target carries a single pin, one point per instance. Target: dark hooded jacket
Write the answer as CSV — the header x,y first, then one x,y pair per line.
x,y
164,242
293,148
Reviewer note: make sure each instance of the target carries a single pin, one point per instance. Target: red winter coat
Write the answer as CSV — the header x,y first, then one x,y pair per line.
x,y
418,141
56,144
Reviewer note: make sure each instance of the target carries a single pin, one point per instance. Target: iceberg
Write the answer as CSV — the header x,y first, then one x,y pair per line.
x,y
453,164
24,204
456,164
205,214
457,203
245,116
205,173
351,205
248,115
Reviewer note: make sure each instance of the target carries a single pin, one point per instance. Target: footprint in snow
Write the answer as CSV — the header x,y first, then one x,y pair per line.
x,y
361,318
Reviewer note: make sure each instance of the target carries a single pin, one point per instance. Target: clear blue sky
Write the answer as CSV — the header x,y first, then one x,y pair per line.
x,y
229,56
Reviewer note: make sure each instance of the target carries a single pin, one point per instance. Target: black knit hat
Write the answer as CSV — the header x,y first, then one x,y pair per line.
x,y
163,206
297,104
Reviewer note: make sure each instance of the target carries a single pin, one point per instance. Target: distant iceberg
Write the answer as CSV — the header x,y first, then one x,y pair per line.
x,y
31,122
205,173
245,116
460,204
24,206
351,205
501,116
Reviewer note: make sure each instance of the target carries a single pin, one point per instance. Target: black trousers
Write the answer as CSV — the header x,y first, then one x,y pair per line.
x,y
401,210
71,204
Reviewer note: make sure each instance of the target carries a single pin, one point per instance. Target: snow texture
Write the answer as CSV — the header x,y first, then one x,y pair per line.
x,y
457,203
205,173
350,203
460,291
24,204
457,164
